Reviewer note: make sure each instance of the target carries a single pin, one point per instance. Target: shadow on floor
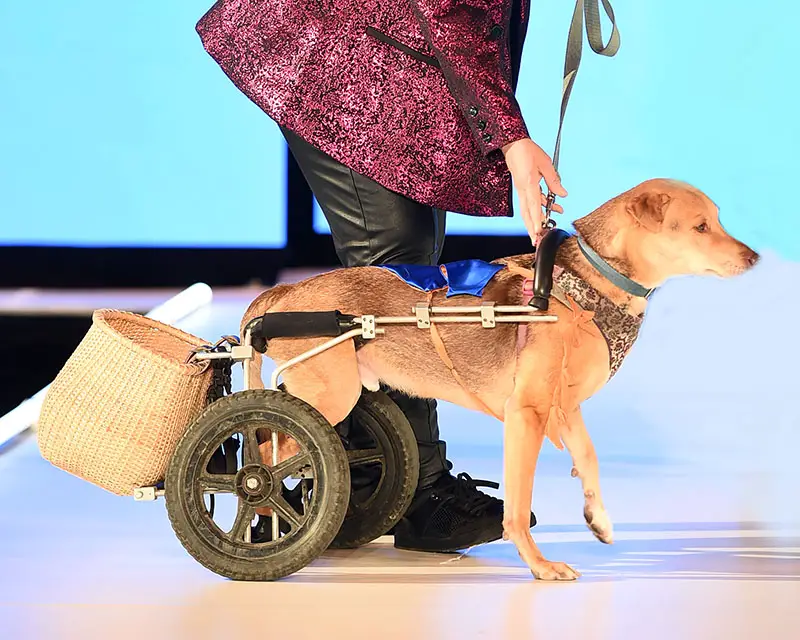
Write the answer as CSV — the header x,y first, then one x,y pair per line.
x,y
696,551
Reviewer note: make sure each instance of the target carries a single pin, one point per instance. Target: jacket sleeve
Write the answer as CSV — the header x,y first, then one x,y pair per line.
x,y
469,43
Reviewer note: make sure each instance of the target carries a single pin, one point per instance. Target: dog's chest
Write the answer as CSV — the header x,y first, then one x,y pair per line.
x,y
619,329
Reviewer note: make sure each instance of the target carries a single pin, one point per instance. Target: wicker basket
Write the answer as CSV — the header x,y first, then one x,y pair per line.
x,y
115,412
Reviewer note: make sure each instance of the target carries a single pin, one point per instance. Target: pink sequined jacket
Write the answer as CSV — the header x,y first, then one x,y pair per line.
x,y
416,94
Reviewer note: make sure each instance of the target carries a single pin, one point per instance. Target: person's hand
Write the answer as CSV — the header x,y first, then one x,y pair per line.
x,y
529,164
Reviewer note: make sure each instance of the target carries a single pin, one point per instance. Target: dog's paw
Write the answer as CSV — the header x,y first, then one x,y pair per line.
x,y
599,523
371,385
554,571
369,379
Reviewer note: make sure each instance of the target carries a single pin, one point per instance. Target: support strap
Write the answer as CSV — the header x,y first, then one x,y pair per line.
x,y
559,377
438,343
520,271
528,287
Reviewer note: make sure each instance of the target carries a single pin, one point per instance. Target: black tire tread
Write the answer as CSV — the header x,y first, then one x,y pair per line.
x,y
307,550
383,518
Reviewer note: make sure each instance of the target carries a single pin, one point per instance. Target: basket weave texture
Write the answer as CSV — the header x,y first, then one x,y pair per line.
x,y
118,407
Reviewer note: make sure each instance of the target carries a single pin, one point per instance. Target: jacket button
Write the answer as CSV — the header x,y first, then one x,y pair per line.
x,y
481,124
473,111
487,138
496,32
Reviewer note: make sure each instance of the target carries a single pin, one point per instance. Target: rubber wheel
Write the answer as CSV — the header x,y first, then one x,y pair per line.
x,y
189,479
384,469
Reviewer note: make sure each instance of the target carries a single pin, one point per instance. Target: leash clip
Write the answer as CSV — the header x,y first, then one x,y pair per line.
x,y
548,222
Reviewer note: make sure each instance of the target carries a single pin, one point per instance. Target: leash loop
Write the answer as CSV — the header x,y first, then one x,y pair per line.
x,y
590,11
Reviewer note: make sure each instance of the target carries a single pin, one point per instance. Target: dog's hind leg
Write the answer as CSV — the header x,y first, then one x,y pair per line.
x,y
369,379
585,467
330,381
254,371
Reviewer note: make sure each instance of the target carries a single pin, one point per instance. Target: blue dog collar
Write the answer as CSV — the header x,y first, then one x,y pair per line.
x,y
611,274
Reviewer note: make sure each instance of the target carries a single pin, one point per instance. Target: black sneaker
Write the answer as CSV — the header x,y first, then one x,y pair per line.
x,y
450,516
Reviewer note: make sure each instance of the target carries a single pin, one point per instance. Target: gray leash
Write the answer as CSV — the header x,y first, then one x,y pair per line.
x,y
552,239
572,60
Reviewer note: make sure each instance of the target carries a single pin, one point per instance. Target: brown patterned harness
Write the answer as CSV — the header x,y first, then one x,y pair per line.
x,y
619,328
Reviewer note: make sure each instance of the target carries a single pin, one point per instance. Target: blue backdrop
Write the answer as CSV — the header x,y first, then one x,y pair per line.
x,y
118,130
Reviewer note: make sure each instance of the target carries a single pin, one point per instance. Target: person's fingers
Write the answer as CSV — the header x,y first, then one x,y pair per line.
x,y
533,195
524,211
556,207
552,179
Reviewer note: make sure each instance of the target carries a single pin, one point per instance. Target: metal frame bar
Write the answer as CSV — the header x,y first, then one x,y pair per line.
x,y
465,319
517,308
487,314
311,353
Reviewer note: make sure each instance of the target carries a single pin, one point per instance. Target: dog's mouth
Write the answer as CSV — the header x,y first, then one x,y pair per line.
x,y
729,270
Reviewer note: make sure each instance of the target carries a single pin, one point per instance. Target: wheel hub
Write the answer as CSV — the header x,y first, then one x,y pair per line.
x,y
254,484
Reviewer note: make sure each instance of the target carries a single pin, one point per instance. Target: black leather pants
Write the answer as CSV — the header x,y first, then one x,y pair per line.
x,y
372,225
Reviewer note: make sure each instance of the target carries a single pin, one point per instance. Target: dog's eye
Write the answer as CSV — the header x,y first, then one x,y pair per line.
x,y
701,228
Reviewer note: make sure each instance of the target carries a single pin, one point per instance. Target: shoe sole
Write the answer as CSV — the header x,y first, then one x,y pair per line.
x,y
432,547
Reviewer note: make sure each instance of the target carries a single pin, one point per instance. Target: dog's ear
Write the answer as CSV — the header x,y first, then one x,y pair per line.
x,y
648,209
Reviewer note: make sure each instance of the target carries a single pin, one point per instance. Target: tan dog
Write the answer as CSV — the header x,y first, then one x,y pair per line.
x,y
655,231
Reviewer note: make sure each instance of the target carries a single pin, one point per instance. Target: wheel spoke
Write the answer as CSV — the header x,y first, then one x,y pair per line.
x,y
286,511
217,482
244,518
304,494
290,466
360,457
250,452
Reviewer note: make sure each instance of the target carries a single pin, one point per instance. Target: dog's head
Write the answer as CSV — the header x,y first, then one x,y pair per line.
x,y
678,232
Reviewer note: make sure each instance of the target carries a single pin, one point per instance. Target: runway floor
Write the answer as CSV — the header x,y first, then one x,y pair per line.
x,y
693,559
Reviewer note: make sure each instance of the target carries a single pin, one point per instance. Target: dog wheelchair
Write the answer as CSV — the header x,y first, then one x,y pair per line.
x,y
344,486
348,484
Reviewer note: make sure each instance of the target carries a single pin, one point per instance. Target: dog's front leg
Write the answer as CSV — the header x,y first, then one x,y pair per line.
x,y
523,436
584,460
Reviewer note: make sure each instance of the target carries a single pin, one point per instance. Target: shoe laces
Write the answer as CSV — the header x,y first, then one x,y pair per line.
x,y
466,494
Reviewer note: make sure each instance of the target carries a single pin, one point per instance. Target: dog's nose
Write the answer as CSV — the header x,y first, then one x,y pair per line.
x,y
752,258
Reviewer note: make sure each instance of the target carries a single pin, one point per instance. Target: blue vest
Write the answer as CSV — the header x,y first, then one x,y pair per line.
x,y
465,277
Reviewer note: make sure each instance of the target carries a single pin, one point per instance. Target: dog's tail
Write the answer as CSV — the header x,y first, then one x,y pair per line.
x,y
262,304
